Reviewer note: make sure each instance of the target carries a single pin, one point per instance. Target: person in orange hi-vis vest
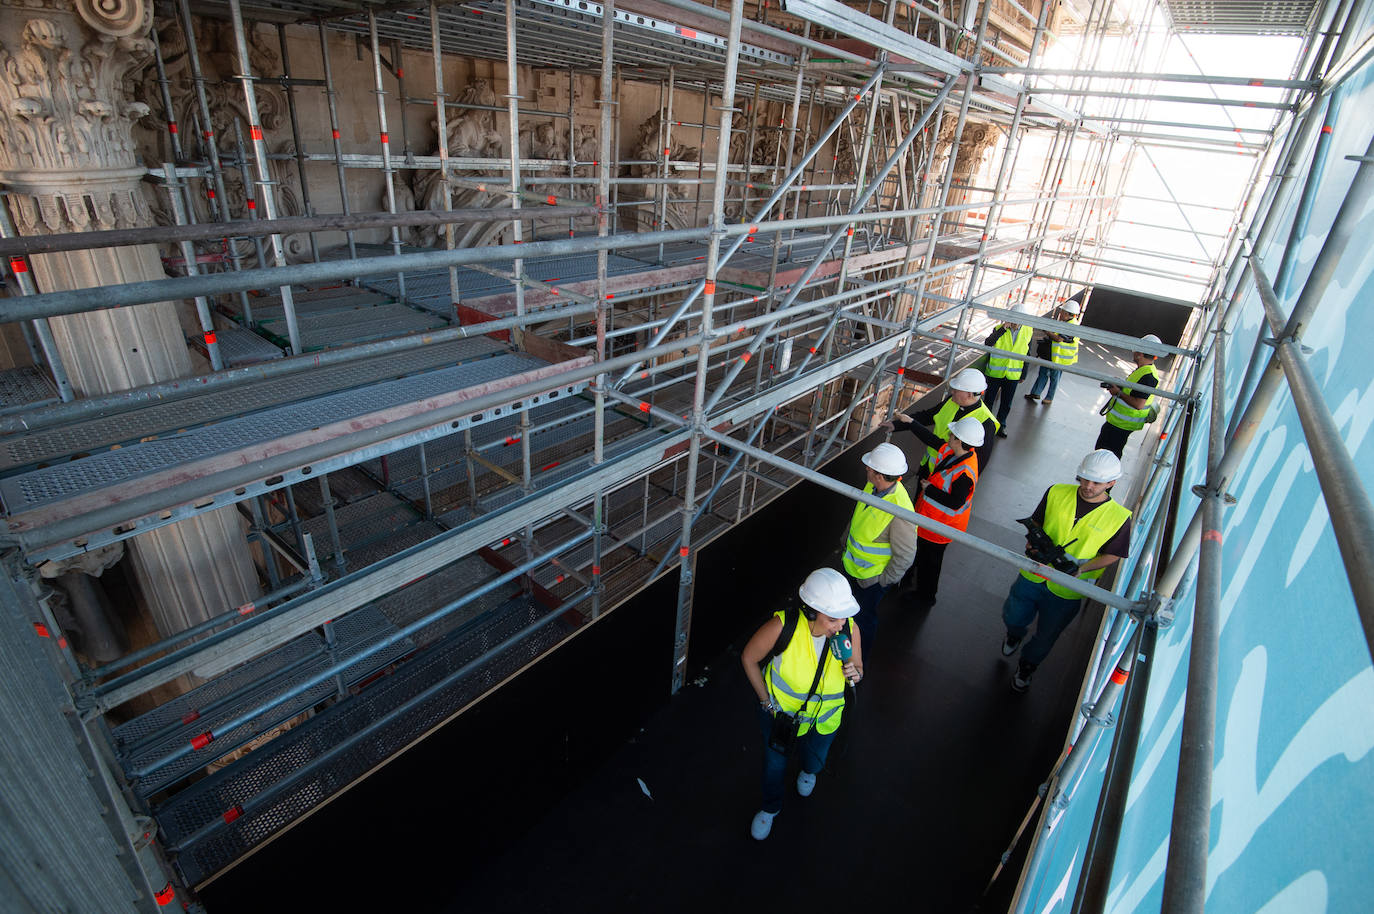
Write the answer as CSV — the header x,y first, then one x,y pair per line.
x,y
946,496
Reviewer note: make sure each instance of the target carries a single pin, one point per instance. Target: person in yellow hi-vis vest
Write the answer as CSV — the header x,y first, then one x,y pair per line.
x,y
798,663
1128,411
1059,348
1095,532
879,548
1005,369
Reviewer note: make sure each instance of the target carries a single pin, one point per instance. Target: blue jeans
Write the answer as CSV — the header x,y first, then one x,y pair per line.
x,y
813,747
1029,599
867,619
1050,375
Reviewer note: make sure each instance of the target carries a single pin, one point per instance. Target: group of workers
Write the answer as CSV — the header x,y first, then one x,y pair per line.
x,y
822,642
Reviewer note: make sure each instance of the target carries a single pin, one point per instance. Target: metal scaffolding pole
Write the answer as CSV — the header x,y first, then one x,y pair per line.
x,y
687,568
260,157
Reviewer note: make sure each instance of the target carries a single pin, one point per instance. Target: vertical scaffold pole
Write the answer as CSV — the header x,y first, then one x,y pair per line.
x,y
441,125
606,101
686,582
268,193
331,99
384,136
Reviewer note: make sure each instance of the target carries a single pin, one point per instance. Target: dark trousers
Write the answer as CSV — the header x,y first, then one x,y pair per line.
x,y
867,620
1005,388
1112,438
812,747
924,575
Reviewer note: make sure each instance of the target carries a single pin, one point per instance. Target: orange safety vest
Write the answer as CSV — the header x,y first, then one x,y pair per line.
x,y
944,480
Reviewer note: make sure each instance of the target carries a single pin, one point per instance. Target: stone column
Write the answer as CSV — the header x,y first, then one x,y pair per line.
x,y
67,157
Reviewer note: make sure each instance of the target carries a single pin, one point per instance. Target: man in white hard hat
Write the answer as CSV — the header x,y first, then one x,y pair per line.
x,y
801,689
1004,368
946,496
878,547
1094,531
1128,411
1059,348
932,425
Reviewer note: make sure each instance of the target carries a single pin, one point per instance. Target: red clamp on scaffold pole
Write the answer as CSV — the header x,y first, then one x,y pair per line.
x,y
166,896
644,407
683,551
233,813
1119,676
203,740
19,265
709,288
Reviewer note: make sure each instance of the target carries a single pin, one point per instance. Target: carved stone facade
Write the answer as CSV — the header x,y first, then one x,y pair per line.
x,y
68,158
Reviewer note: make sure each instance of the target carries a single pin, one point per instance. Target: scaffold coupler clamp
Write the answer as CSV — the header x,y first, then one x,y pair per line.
x,y
1159,611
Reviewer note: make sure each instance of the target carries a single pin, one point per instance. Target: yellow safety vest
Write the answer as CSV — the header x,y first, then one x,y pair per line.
x,y
1004,366
864,557
790,673
1065,352
1081,540
1125,416
946,415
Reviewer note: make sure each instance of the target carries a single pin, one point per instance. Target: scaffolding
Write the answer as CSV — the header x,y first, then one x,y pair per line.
x,y
591,356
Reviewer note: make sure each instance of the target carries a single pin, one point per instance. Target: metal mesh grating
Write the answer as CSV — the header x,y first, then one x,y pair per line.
x,y
353,633
25,386
43,486
201,806
77,437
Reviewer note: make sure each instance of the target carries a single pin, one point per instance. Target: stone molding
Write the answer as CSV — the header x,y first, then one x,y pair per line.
x,y
63,102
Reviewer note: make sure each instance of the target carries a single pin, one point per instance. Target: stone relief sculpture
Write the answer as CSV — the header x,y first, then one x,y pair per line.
x,y
63,109
649,147
224,97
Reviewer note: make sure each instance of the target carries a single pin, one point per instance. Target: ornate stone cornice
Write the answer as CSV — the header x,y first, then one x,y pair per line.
x,y
64,106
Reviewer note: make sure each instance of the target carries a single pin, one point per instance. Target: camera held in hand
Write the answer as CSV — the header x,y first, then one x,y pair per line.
x,y
1042,548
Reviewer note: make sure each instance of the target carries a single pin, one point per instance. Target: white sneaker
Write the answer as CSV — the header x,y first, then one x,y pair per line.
x,y
762,825
805,783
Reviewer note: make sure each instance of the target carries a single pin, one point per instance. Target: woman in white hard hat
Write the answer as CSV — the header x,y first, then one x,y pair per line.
x,y
801,689
1128,411
1059,348
1094,531
946,496
932,425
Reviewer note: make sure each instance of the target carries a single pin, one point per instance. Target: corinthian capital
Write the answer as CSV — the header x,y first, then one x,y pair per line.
x,y
63,103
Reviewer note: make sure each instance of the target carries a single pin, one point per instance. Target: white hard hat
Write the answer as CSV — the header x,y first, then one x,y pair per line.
x,y
827,591
970,381
1072,307
887,459
1151,338
968,430
1100,466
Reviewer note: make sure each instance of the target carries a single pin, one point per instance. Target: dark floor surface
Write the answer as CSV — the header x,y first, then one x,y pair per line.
x,y
532,801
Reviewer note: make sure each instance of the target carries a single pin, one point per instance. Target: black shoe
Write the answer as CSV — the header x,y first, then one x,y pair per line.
x,y
1002,432
1033,398
1022,680
1010,644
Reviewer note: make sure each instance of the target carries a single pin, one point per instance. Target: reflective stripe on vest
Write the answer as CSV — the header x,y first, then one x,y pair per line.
x,y
791,672
1004,366
948,414
1065,352
944,481
864,556
1125,416
1082,540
